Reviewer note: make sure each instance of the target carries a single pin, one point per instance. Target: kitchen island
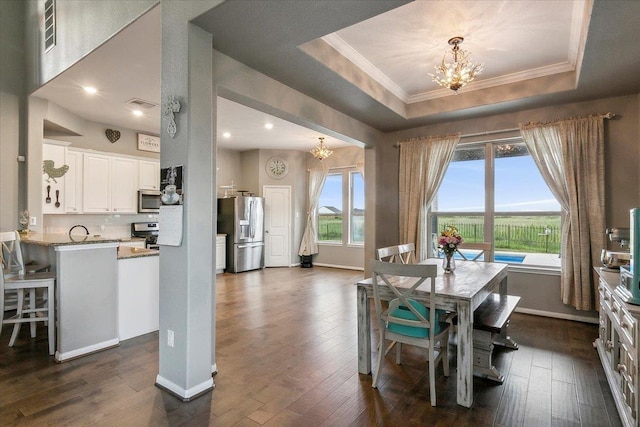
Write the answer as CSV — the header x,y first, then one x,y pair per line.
x,y
86,269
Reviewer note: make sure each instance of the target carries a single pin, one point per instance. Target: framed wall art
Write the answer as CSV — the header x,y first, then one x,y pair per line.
x,y
148,143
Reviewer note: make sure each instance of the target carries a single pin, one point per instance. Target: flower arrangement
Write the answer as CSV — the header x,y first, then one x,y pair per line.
x,y
449,240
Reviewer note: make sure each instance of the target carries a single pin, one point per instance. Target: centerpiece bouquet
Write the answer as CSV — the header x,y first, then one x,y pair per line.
x,y
448,243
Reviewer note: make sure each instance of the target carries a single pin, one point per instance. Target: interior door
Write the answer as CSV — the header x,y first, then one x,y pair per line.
x,y
277,224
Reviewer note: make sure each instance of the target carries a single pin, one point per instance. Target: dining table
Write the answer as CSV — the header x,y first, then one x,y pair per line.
x,y
461,291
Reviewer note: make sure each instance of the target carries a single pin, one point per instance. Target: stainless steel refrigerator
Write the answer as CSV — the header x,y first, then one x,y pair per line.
x,y
241,218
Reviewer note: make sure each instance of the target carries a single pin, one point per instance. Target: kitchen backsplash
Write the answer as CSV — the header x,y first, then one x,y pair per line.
x,y
115,226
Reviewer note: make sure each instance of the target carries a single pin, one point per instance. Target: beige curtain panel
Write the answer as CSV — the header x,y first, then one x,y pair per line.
x,y
570,156
423,163
309,244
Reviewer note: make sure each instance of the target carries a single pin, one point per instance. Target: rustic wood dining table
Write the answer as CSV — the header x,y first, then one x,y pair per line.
x,y
461,291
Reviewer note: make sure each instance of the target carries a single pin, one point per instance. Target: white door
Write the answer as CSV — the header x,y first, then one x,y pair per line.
x,y
277,225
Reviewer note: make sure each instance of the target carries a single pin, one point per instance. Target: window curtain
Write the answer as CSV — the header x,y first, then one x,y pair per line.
x,y
570,156
309,244
423,163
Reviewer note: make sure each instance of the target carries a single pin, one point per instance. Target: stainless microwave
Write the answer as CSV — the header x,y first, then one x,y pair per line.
x,y
149,201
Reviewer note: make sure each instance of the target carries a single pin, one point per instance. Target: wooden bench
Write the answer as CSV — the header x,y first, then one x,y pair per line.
x,y
490,320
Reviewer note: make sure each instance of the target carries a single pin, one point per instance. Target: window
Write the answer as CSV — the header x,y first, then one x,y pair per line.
x,y
356,217
330,210
343,189
494,192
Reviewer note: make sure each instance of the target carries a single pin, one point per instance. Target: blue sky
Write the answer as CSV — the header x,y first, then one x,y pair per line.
x,y
518,187
332,192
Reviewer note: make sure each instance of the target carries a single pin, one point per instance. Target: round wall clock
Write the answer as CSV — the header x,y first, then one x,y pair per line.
x,y
277,167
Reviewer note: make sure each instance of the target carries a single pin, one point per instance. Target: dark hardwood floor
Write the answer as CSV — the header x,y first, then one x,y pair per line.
x,y
286,355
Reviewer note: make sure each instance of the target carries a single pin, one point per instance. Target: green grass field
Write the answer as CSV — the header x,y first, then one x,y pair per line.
x,y
532,234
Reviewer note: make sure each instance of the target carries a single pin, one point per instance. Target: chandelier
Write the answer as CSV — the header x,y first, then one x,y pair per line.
x,y
321,152
456,74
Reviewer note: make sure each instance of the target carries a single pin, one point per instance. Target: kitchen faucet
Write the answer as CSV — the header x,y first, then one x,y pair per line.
x,y
78,225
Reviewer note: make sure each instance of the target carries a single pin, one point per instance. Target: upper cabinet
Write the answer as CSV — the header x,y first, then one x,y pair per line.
x,y
73,182
83,181
96,179
149,175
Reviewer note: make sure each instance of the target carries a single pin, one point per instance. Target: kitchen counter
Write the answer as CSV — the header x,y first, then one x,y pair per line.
x,y
59,239
126,252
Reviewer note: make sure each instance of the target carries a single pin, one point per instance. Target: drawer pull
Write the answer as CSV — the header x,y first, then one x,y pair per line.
x,y
621,368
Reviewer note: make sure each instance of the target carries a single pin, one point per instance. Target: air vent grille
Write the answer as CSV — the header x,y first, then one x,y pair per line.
x,y
49,24
141,103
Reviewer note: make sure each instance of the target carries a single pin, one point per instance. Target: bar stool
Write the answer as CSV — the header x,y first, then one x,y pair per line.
x,y
15,285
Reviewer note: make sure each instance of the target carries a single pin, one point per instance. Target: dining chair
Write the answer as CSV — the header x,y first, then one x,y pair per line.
x,y
407,321
481,252
403,254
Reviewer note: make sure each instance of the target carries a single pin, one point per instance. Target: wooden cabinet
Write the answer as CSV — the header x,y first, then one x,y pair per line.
x,y
221,259
73,182
148,175
53,178
617,345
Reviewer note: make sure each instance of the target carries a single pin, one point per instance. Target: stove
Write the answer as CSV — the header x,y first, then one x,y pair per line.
x,y
148,230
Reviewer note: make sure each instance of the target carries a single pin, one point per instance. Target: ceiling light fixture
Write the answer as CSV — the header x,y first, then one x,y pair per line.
x,y
456,74
137,113
321,152
226,135
268,126
90,90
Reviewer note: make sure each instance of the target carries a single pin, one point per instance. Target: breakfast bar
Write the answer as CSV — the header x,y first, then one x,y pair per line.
x,y
86,288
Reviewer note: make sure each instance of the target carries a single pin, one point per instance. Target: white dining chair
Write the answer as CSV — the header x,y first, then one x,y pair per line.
x,y
406,321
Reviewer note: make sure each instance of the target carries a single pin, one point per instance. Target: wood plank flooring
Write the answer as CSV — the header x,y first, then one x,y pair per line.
x,y
286,355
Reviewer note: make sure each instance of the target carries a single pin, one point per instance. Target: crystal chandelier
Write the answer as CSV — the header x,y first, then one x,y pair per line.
x,y
321,152
456,74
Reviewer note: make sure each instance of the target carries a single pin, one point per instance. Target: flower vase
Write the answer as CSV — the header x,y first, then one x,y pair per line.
x,y
448,263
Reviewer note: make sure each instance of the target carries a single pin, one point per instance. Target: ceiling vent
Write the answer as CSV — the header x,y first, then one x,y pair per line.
x,y
141,103
49,25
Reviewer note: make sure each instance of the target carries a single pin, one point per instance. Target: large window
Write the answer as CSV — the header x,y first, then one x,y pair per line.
x,y
342,192
494,192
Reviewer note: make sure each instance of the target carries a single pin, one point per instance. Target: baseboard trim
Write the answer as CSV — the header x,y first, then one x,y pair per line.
x,y
185,395
68,355
344,267
556,315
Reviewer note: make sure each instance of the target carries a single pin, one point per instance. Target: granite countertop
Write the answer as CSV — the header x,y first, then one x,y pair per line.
x,y
127,252
59,239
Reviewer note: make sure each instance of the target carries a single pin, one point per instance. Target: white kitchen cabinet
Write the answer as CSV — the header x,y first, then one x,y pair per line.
x,y
138,296
73,182
53,186
109,184
124,180
96,177
148,175
221,259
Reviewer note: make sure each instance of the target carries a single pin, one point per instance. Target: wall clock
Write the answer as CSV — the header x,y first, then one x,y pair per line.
x,y
277,167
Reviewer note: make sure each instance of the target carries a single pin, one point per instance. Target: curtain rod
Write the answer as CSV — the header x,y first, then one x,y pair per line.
x,y
338,167
493,132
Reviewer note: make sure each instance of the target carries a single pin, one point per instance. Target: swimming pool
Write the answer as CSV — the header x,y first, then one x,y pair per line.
x,y
497,257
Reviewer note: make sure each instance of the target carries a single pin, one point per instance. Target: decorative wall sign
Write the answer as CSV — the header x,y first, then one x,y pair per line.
x,y
148,143
48,167
112,135
171,107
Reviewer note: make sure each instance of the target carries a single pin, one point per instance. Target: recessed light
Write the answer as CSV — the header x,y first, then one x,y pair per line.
x,y
269,125
90,90
137,113
226,135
